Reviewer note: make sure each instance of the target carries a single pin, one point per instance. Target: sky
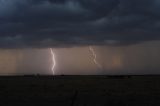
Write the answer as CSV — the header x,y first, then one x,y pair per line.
x,y
124,36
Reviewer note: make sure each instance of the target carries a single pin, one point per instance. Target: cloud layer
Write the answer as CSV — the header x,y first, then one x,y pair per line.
x,y
59,23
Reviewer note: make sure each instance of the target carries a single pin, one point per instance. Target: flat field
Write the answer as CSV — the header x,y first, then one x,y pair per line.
x,y
80,90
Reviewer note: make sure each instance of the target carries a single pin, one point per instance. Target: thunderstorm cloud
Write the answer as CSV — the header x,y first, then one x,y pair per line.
x,y
59,23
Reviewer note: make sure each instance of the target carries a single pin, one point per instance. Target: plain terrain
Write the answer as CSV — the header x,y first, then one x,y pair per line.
x,y
80,90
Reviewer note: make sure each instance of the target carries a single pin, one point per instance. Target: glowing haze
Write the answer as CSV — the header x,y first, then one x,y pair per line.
x,y
135,59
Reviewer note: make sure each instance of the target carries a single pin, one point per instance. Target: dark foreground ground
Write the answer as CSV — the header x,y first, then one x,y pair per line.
x,y
80,90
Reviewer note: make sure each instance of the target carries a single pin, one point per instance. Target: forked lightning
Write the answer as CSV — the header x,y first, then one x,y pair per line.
x,y
53,60
95,57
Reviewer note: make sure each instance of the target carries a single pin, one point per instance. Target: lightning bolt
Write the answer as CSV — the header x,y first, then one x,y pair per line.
x,y
95,57
53,60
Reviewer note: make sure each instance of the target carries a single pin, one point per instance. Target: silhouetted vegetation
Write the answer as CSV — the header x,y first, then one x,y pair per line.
x,y
80,90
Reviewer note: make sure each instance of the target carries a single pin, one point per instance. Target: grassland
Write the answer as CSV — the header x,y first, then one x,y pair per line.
x,y
80,90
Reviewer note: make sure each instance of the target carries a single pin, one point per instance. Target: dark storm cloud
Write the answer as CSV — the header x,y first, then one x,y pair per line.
x,y
45,23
